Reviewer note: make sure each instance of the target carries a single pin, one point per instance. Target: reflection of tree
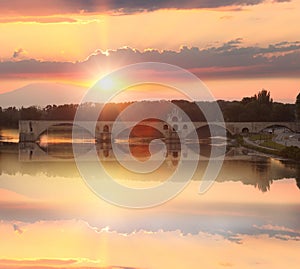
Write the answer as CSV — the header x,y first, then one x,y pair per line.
x,y
263,181
0,163
298,176
263,184
298,182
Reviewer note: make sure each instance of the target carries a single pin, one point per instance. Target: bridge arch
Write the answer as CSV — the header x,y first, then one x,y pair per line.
x,y
145,131
245,130
54,125
206,130
31,131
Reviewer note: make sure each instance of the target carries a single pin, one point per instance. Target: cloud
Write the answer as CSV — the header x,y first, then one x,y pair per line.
x,y
54,7
37,19
19,54
228,60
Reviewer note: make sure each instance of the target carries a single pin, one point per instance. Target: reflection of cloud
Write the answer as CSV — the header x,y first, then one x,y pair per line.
x,y
17,229
54,263
231,60
138,249
279,232
226,264
275,228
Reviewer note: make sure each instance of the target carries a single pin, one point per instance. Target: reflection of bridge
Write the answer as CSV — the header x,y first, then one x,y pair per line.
x,y
64,152
30,131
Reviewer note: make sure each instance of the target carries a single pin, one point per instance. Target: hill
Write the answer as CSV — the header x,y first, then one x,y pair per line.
x,y
42,94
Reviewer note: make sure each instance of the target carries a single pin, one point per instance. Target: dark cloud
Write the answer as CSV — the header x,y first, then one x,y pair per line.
x,y
37,7
228,60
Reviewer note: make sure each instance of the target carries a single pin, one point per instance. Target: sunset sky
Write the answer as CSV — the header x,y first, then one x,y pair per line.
x,y
50,218
236,47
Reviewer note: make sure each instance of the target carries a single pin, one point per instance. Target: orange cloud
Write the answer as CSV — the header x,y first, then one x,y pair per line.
x,y
38,19
54,7
228,60
141,249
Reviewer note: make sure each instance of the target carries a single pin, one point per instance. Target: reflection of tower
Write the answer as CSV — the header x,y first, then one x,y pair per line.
x,y
104,151
173,154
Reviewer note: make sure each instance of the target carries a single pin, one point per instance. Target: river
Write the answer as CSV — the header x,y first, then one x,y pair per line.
x,y
249,218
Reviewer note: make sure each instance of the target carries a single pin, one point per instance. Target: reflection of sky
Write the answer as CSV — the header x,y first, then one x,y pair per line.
x,y
216,212
49,213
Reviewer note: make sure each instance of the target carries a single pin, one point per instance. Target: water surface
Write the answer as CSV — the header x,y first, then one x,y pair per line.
x,y
249,218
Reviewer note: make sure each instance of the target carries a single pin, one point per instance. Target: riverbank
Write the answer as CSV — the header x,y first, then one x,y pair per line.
x,y
271,148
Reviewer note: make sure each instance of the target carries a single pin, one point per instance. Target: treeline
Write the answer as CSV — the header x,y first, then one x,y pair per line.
x,y
10,116
259,107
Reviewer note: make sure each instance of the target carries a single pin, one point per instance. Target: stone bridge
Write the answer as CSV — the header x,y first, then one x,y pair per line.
x,y
30,131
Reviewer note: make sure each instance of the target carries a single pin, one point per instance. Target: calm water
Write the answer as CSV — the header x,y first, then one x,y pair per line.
x,y
249,218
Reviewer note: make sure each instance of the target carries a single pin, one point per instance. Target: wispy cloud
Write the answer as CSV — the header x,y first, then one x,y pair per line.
x,y
65,235
37,19
55,263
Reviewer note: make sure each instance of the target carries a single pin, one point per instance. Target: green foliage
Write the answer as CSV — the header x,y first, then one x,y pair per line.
x,y
264,97
254,137
271,144
259,107
257,148
291,152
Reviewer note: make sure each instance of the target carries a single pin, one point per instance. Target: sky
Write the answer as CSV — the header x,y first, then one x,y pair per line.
x,y
49,217
236,47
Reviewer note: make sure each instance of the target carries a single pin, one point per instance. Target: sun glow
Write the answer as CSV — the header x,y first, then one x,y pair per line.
x,y
106,83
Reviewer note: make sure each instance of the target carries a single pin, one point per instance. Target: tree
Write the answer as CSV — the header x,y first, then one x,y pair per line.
x,y
247,100
233,111
297,108
264,97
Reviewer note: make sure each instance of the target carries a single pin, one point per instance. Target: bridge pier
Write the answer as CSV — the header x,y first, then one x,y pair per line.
x,y
26,133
